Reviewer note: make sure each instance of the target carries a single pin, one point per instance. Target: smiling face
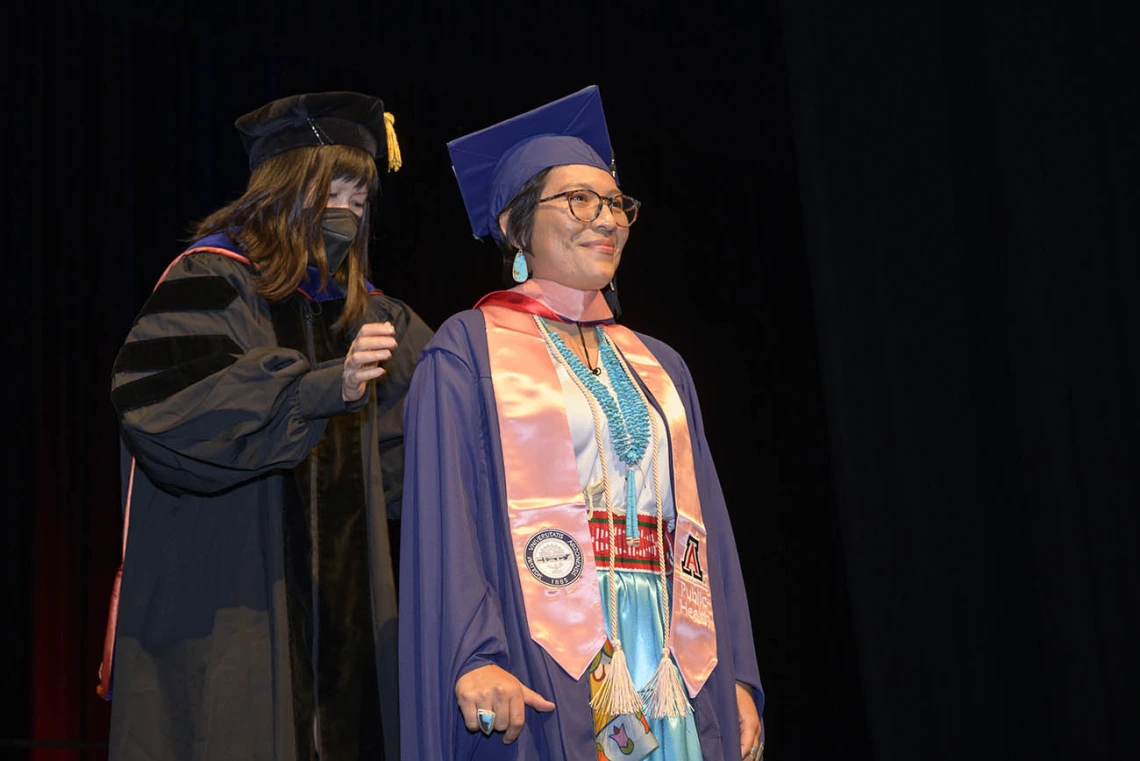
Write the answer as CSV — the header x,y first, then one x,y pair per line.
x,y
582,255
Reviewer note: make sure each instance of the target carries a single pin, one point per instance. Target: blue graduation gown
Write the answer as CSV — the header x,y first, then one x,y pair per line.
x,y
461,605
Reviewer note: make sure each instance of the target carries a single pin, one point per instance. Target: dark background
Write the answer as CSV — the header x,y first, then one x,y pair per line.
x,y
896,243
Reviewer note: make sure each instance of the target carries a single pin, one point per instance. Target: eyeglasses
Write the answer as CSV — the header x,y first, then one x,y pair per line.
x,y
586,205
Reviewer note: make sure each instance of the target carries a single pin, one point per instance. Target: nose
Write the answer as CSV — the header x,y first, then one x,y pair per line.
x,y
334,203
605,218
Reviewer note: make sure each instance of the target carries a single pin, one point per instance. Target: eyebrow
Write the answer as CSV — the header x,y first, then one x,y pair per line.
x,y
585,186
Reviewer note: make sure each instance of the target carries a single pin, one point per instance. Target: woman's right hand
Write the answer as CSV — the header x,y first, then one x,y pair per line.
x,y
374,343
491,688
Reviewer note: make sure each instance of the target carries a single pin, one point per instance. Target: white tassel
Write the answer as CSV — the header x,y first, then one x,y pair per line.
x,y
664,694
617,694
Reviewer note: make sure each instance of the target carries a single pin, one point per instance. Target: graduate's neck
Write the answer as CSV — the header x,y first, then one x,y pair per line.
x,y
569,303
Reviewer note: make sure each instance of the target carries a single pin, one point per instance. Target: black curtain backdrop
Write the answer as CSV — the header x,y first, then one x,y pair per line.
x,y
969,181
897,248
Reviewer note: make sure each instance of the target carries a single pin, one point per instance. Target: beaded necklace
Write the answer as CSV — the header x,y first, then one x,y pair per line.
x,y
663,695
627,414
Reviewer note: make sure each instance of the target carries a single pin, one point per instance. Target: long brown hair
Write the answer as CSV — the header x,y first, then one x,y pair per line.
x,y
277,222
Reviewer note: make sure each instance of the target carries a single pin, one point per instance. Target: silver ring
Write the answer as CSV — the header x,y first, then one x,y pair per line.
x,y
486,718
756,751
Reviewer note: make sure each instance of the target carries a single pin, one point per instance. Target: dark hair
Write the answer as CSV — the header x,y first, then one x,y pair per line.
x,y
521,222
278,221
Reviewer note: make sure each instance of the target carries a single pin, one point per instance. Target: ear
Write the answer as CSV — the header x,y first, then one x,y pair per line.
x,y
504,218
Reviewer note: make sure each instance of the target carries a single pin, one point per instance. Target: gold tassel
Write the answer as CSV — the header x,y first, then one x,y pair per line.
x,y
617,694
664,694
395,161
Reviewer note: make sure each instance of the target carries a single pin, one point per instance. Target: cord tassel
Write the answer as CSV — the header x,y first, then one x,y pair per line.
x,y
617,694
664,694
395,160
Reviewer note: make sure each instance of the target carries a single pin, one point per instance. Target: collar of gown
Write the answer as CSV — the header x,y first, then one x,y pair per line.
x,y
553,300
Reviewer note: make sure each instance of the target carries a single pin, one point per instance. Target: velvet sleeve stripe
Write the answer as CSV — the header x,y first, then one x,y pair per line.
x,y
162,385
170,351
205,294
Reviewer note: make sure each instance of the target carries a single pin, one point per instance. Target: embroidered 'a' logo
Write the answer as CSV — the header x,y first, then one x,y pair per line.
x,y
691,562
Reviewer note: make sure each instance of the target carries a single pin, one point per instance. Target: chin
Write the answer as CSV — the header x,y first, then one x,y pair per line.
x,y
603,278
591,280
596,284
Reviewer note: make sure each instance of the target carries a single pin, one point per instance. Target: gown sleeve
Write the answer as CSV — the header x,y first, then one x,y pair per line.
x,y
450,618
715,512
205,397
412,335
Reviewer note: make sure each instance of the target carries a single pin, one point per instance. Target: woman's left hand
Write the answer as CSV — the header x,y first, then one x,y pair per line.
x,y
751,726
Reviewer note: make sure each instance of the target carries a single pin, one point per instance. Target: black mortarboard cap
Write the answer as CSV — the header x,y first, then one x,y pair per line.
x,y
320,118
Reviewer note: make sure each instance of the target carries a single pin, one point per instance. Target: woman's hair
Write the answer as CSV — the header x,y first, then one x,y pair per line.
x,y
277,222
521,222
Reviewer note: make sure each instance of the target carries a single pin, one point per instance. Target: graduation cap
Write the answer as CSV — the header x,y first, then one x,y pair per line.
x,y
321,118
492,164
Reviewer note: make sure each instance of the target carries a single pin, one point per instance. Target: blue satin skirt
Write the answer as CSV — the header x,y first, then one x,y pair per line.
x,y
641,634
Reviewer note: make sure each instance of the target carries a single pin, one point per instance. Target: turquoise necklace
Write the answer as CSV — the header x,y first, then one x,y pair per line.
x,y
627,414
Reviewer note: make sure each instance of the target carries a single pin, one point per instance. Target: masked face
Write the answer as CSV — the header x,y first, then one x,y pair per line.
x,y
339,228
341,220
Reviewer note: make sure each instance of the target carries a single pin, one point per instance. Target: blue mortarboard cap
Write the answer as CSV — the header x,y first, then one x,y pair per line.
x,y
493,163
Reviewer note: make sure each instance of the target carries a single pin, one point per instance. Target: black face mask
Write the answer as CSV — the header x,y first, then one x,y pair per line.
x,y
339,228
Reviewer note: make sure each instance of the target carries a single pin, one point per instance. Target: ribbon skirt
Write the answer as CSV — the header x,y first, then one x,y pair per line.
x,y
640,631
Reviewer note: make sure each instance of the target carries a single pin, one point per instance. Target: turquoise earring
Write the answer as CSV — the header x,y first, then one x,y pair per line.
x,y
519,270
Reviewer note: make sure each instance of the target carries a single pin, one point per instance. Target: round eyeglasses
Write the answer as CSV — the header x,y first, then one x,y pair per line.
x,y
586,205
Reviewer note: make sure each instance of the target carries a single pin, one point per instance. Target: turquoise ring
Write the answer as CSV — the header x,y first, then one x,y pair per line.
x,y
486,720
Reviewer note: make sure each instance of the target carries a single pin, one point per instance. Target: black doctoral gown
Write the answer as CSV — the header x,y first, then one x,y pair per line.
x,y
255,496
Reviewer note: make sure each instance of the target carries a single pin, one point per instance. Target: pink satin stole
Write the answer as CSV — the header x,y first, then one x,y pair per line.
x,y
544,492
